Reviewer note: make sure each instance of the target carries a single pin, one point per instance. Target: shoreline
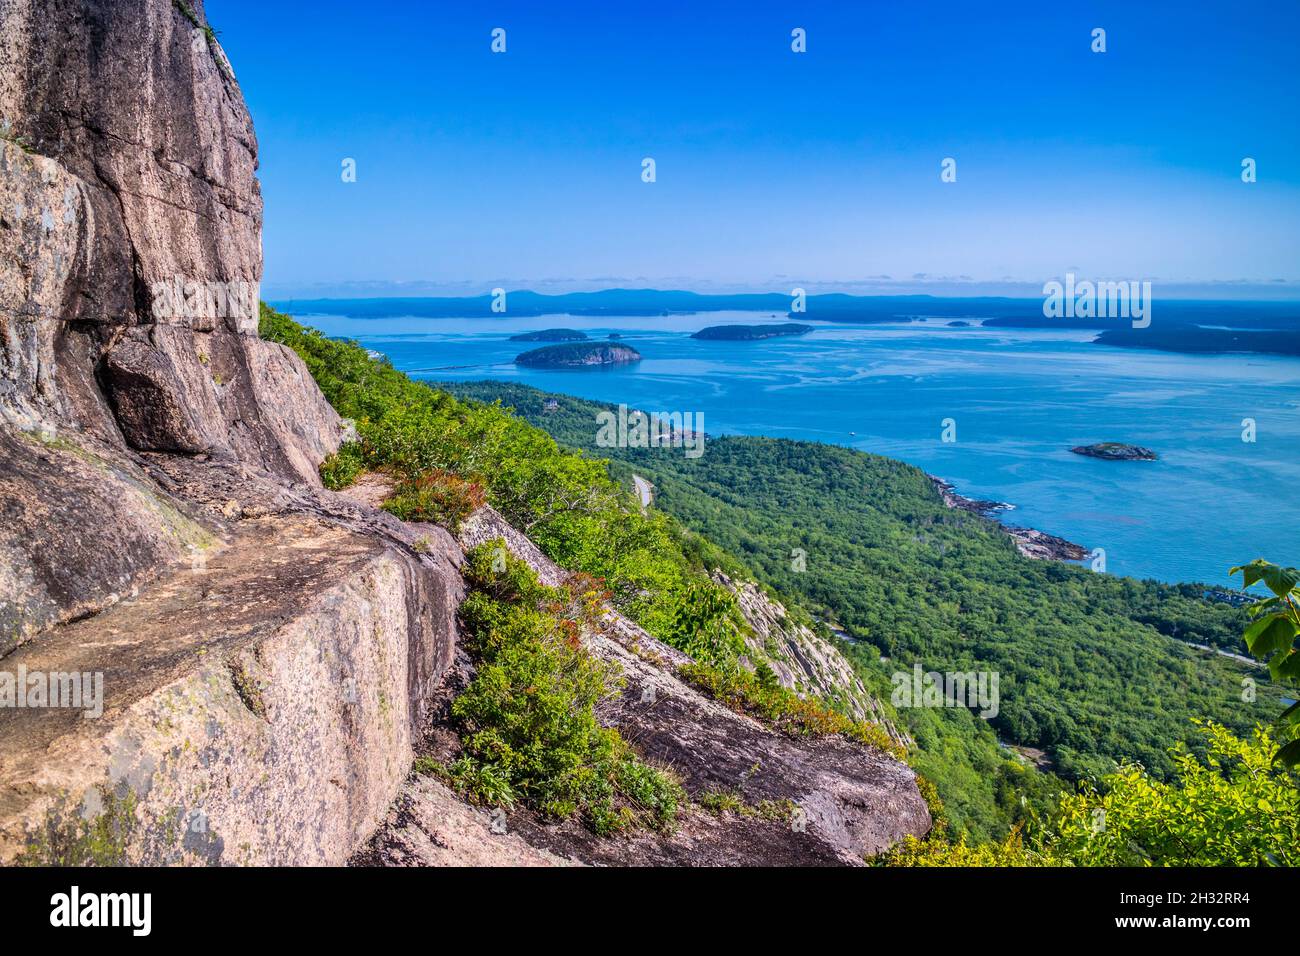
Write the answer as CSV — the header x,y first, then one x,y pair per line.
x,y
1030,542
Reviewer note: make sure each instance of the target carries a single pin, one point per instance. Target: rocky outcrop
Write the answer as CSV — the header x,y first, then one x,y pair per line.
x,y
82,527
1030,542
804,661
1042,546
1115,451
428,825
828,801
976,506
258,708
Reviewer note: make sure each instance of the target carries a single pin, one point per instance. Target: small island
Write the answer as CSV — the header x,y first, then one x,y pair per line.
x,y
550,335
750,333
958,324
1115,451
578,355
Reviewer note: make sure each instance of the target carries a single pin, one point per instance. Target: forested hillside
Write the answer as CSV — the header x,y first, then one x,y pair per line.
x,y
1089,670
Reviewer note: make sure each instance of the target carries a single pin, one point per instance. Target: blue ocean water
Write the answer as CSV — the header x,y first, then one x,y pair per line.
x,y
1020,399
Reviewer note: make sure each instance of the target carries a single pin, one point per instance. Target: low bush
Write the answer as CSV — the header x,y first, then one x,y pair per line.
x,y
528,719
437,496
344,467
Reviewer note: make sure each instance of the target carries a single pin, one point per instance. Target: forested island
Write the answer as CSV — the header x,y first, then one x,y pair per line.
x,y
1198,340
578,355
550,335
750,333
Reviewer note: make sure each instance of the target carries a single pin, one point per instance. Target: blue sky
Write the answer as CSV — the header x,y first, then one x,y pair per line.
x,y
774,169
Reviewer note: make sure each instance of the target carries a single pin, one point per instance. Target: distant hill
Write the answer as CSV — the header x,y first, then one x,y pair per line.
x,y
1236,315
833,307
1170,319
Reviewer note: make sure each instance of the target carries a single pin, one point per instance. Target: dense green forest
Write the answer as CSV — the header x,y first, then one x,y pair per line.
x,y
1089,670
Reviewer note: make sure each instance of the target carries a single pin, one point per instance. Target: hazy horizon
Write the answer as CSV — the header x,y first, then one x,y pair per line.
x,y
774,168
1277,292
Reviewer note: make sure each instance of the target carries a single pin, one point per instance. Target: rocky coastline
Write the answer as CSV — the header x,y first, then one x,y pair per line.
x,y
1030,542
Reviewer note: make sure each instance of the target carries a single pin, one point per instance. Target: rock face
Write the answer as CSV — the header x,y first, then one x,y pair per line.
x,y
265,652
578,355
130,256
803,660
1116,451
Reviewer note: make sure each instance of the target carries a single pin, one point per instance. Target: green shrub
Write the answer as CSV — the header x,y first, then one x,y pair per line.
x,y
704,620
1234,807
344,467
528,719
1274,636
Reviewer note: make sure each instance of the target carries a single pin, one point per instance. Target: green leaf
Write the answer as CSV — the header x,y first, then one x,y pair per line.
x,y
1269,635
1289,755
1263,605
1281,581
1285,667
1291,715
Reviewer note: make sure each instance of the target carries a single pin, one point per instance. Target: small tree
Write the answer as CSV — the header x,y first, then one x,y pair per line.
x,y
1271,636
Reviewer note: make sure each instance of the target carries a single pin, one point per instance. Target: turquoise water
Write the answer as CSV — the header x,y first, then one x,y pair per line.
x,y
1020,400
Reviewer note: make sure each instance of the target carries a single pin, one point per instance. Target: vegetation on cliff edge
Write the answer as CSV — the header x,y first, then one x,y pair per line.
x,y
448,457
528,720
